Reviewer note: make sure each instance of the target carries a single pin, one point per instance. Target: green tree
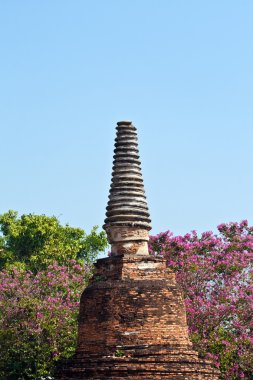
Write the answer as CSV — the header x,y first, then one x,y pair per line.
x,y
32,242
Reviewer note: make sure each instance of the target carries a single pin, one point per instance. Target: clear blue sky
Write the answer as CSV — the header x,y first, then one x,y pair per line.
x,y
182,71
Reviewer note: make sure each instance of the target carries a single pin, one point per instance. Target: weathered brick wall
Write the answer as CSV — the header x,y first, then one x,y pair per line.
x,y
134,309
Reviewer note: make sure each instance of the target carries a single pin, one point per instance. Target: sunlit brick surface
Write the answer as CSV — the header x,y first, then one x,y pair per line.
x,y
132,325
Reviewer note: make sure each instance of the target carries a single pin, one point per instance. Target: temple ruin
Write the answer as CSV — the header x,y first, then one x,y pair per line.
x,y
132,321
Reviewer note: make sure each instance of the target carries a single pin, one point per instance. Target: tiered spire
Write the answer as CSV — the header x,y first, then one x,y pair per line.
x,y
127,205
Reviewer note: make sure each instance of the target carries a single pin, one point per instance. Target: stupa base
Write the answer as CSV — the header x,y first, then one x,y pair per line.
x,y
132,324
175,365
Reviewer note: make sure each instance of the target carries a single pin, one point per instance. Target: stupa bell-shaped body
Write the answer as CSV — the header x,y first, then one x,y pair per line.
x,y
127,223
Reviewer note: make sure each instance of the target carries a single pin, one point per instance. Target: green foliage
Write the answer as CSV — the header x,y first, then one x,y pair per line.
x,y
33,242
119,353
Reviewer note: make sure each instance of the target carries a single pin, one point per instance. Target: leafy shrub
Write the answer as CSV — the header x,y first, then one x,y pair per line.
x,y
38,319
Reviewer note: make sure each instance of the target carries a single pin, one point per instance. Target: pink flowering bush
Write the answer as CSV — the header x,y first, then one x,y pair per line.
x,y
216,276
43,269
38,319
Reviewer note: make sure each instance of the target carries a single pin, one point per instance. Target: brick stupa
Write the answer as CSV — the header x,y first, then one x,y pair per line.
x,y
132,321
